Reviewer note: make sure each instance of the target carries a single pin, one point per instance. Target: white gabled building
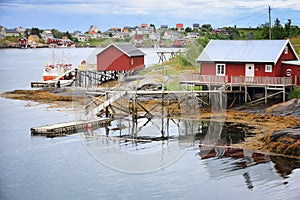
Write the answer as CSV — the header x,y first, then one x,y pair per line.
x,y
171,35
46,34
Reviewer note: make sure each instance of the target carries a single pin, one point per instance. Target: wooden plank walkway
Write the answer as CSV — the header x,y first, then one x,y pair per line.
x,y
51,83
109,101
66,128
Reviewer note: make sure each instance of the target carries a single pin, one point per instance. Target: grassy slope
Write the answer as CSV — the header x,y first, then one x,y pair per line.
x,y
296,44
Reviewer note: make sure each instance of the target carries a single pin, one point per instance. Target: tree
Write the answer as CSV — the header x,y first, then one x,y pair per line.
x,y
207,26
287,27
291,30
278,32
68,35
56,33
233,33
262,31
36,31
188,29
152,25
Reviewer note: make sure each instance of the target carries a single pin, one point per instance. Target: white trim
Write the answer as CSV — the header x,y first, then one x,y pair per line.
x,y
286,50
283,48
224,70
268,70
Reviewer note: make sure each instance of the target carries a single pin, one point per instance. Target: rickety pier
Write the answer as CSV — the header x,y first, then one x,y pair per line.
x,y
66,128
162,55
249,87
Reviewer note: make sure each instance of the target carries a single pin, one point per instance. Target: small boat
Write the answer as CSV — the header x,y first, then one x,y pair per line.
x,y
59,71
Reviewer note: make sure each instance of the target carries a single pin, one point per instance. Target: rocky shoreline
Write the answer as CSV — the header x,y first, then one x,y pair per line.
x,y
276,128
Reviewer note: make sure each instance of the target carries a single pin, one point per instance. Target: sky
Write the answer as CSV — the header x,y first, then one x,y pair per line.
x,y
79,15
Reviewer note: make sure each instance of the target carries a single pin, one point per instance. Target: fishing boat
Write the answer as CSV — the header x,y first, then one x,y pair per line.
x,y
59,71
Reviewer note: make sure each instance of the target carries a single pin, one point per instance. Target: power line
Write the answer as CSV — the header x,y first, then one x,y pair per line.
x,y
257,14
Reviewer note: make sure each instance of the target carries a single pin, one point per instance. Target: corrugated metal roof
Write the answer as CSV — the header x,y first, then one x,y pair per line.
x,y
243,51
129,50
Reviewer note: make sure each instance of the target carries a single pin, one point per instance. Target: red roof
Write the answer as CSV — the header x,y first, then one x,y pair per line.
x,y
179,25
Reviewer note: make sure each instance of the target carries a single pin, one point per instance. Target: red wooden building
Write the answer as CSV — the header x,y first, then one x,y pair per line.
x,y
250,58
22,42
120,57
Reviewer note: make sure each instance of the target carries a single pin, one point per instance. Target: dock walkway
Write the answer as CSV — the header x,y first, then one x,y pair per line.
x,y
66,128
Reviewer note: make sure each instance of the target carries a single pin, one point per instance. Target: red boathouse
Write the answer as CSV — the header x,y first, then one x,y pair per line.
x,y
250,58
120,57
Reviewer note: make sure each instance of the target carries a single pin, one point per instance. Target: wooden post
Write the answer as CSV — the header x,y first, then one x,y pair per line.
x,y
266,95
106,109
283,93
246,98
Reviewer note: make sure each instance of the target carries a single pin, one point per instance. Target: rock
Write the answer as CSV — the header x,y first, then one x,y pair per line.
x,y
289,108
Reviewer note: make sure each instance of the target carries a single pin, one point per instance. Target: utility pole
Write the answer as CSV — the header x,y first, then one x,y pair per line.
x,y
270,28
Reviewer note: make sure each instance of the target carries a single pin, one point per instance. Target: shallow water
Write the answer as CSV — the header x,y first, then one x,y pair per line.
x,y
64,168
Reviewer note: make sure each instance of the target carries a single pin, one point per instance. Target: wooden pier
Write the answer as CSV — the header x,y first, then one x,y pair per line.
x,y
51,83
246,88
66,128
39,84
162,55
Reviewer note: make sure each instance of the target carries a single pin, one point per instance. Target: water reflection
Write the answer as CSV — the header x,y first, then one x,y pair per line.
x,y
235,161
156,142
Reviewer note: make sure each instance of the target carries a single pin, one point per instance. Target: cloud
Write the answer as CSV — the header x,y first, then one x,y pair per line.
x,y
185,8
120,12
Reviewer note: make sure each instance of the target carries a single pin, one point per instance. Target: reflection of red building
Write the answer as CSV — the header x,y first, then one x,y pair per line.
x,y
231,152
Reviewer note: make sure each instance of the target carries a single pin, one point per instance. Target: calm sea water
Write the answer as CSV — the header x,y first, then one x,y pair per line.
x,y
63,168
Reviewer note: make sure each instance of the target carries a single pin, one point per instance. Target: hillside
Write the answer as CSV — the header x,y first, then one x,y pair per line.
x,y
296,44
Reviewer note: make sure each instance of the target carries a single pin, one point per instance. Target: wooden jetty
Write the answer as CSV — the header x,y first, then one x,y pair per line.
x,y
245,88
39,84
66,128
162,55
53,83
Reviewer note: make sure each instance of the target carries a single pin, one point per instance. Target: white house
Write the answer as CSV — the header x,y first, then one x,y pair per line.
x,y
171,35
47,34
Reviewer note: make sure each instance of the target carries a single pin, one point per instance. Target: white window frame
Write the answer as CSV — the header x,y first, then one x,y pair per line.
x,y
268,68
131,61
286,50
218,72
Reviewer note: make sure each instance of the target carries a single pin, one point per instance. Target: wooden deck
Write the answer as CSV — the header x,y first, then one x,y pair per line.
x,y
66,128
197,79
239,84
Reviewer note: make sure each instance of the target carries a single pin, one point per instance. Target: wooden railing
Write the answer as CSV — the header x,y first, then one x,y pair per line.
x,y
234,80
260,80
197,78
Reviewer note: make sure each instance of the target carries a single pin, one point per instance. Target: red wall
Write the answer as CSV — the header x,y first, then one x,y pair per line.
x,y
295,72
208,69
112,59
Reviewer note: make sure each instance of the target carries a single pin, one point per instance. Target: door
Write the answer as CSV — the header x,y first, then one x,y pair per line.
x,y
249,70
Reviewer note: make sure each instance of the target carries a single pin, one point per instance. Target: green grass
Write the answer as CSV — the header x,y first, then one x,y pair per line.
x,y
296,44
295,94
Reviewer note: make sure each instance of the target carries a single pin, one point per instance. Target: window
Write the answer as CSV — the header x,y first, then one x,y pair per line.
x,y
131,61
268,68
220,69
286,50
